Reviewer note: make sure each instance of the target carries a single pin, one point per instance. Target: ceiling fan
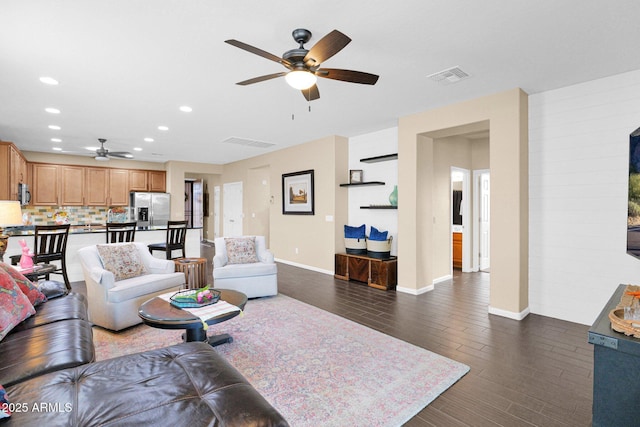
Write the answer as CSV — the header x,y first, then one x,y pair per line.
x,y
102,154
304,65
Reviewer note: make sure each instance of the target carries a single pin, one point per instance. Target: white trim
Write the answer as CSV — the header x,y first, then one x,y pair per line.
x,y
509,314
415,291
306,267
443,278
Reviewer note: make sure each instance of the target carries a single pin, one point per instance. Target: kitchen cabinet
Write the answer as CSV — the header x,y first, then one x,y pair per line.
x,y
118,187
13,170
72,183
97,186
46,183
143,180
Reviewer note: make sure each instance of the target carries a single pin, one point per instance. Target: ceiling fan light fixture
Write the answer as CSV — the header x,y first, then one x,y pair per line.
x,y
101,158
300,80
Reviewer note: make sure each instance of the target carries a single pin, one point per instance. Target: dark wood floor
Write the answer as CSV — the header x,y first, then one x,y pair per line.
x,y
536,372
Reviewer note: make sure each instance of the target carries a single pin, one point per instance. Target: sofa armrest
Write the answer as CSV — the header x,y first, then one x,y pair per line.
x,y
103,277
160,266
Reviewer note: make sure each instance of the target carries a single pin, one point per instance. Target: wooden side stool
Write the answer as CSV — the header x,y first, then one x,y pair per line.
x,y
195,271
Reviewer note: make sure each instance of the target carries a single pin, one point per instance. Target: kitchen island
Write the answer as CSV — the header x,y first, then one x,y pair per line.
x,y
83,235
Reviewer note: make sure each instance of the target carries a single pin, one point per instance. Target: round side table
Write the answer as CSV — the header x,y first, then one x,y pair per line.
x,y
195,271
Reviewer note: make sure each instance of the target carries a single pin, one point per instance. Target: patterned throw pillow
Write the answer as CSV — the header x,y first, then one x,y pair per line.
x,y
241,250
14,305
26,286
123,261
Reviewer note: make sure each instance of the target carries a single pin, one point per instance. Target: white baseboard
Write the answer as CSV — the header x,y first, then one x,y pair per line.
x,y
509,314
306,267
415,291
443,279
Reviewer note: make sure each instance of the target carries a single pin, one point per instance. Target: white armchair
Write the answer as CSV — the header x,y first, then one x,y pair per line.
x,y
113,304
254,279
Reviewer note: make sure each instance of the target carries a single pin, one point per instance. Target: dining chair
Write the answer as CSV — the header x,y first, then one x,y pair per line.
x,y
176,235
50,244
119,232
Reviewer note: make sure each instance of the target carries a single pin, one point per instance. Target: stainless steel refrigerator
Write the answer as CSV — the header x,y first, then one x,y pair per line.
x,y
150,209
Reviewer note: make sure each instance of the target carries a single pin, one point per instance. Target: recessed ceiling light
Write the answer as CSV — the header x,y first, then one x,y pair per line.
x,y
56,140
52,110
163,128
148,139
137,149
48,80
186,109
56,148
54,127
91,148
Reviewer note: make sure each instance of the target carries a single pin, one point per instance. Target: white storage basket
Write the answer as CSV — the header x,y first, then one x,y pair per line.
x,y
356,246
379,248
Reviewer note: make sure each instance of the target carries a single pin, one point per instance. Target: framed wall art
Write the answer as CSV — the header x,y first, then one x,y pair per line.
x,y
297,193
355,176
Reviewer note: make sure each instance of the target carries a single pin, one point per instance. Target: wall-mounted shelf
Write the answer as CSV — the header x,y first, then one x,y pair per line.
x,y
379,207
360,184
377,159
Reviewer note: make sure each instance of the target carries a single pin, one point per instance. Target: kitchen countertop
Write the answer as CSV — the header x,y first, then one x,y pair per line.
x,y
28,230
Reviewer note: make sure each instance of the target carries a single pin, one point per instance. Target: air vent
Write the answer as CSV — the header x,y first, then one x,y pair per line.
x,y
247,142
448,76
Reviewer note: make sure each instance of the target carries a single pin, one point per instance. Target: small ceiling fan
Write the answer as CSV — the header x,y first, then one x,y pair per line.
x,y
304,65
102,154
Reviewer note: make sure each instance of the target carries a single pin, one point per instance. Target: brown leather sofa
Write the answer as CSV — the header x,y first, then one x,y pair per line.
x,y
47,369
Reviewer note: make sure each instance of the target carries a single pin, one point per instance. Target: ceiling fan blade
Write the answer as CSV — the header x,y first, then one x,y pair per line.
x,y
261,79
326,47
311,94
120,154
348,76
258,52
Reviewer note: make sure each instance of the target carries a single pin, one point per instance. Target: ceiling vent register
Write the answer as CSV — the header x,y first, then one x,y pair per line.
x,y
448,76
248,142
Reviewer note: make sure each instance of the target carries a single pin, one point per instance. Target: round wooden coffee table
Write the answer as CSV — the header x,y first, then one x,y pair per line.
x,y
159,313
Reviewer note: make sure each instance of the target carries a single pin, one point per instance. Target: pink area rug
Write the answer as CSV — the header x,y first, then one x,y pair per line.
x,y
316,368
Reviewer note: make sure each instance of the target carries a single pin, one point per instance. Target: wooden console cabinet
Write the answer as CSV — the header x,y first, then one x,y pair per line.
x,y
377,273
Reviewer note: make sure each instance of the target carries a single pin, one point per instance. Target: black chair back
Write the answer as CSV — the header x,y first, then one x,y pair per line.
x,y
50,244
176,236
120,232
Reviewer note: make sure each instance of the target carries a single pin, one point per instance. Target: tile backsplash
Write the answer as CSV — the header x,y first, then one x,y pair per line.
x,y
44,215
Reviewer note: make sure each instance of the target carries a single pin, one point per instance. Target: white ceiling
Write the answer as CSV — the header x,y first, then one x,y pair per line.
x,y
125,66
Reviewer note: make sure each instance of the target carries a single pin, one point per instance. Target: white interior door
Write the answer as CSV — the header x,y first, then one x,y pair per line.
x,y
232,209
484,221
198,211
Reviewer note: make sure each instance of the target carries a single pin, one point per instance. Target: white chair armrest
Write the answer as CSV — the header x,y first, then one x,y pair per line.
x,y
103,277
161,266
266,257
219,261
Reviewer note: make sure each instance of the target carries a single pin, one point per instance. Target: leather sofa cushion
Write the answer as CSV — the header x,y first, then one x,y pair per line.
x,y
71,306
146,284
36,351
245,270
187,384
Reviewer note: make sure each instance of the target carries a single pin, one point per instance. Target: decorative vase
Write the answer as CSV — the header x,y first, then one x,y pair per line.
x,y
393,197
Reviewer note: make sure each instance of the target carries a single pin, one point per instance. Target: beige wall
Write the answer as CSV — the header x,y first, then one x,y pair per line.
x,y
506,114
316,236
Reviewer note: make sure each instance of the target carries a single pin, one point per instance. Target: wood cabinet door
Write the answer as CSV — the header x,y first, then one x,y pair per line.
x,y
118,187
138,180
45,184
96,186
359,269
157,181
72,185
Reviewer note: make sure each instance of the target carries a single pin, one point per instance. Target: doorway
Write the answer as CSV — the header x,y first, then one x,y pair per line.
x,y
460,221
193,203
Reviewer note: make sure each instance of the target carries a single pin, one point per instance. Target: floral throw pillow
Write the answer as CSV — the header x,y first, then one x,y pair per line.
x,y
26,286
123,261
241,250
14,305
